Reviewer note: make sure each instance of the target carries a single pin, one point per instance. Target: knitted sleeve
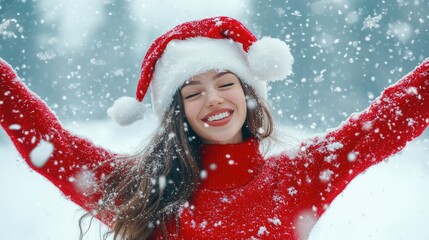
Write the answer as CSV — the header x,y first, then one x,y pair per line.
x,y
71,163
325,164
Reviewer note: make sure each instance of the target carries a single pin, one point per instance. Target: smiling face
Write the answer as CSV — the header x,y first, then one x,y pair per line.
x,y
215,107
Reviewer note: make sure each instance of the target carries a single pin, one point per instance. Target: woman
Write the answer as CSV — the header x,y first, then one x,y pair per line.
x,y
202,176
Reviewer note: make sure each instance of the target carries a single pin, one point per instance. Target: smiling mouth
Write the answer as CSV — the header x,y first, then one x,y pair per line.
x,y
218,120
218,117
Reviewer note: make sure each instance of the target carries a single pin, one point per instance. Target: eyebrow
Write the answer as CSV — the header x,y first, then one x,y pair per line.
x,y
193,82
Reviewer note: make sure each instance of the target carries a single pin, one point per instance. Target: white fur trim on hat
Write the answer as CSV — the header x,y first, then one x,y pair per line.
x,y
183,59
270,59
126,110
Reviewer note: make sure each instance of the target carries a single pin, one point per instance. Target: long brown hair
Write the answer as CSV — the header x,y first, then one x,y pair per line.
x,y
146,190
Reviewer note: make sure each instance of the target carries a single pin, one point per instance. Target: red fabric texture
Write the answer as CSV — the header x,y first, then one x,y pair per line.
x,y
250,197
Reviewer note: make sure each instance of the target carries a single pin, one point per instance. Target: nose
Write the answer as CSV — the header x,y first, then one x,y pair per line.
x,y
213,98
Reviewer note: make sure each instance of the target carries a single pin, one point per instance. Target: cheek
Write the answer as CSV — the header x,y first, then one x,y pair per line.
x,y
191,111
240,101
188,112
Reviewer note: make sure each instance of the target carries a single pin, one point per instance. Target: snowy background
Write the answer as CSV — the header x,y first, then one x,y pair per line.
x,y
80,55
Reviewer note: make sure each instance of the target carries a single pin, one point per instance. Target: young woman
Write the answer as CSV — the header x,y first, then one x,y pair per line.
x,y
202,176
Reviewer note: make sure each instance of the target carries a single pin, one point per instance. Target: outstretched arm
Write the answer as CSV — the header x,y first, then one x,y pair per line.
x,y
326,164
73,164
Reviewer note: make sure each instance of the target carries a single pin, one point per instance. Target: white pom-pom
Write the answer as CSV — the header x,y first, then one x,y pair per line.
x,y
270,59
126,110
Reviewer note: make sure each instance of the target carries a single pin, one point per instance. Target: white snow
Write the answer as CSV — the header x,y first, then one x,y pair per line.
x,y
98,62
262,231
292,191
85,181
162,182
251,103
6,31
332,147
352,156
46,55
203,224
412,91
119,72
388,202
275,221
325,175
203,174
41,153
352,17
304,223
401,30
371,22
15,127
367,126
217,224
213,166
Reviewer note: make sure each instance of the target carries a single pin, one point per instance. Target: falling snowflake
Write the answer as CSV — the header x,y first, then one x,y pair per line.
x,y
320,77
292,191
371,22
15,127
296,13
119,72
203,174
85,181
41,153
203,224
262,231
217,224
325,176
332,147
275,221
251,102
46,55
367,126
162,181
280,12
412,91
9,33
401,30
98,62
411,122
352,156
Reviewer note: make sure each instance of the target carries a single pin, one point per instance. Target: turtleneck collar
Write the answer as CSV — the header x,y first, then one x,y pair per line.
x,y
230,166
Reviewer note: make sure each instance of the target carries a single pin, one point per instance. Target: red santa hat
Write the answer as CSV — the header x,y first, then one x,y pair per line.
x,y
192,48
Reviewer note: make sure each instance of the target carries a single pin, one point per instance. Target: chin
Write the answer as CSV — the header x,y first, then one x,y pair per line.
x,y
221,139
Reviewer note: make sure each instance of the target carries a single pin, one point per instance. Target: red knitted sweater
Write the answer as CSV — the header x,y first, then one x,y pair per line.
x,y
244,195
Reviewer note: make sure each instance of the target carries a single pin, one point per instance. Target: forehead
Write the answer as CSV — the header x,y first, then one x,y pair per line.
x,y
207,76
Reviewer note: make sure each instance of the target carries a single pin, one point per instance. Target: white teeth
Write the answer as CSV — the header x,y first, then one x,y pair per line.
x,y
218,116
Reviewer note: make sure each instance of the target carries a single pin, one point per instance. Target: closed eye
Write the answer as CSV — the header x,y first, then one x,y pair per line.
x,y
192,95
227,85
